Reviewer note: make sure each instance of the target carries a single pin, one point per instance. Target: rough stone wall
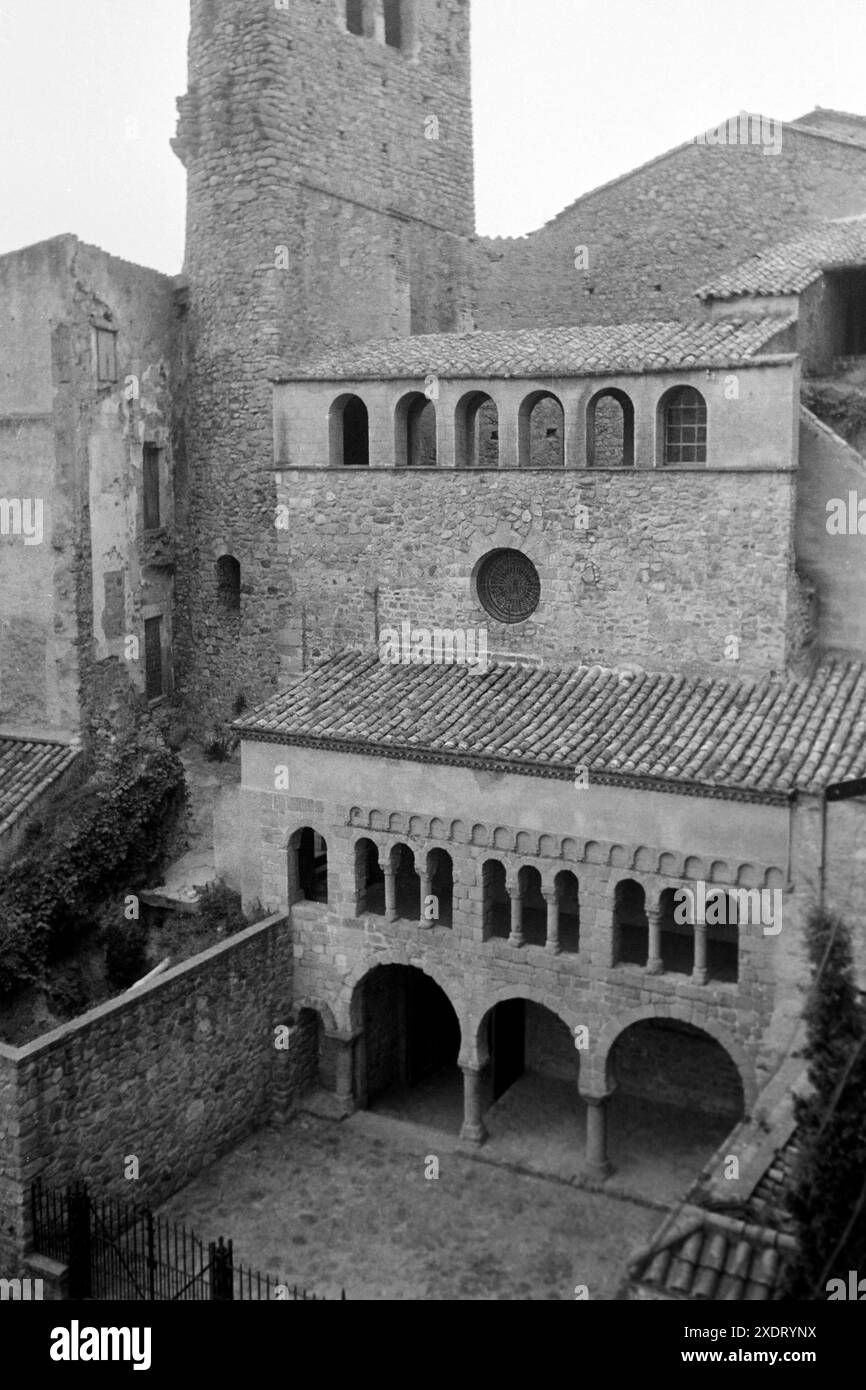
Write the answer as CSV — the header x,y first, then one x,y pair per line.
x,y
76,443
651,581
831,565
319,210
174,1074
655,235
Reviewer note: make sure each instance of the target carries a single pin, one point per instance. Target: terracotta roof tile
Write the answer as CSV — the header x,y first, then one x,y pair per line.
x,y
559,352
27,769
701,1255
759,739
792,265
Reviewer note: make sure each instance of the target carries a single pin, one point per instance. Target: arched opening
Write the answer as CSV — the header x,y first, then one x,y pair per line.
x,y
532,1109
441,874
677,1094
228,573
496,903
350,433
568,904
308,867
677,941
355,17
369,880
477,432
415,432
394,36
541,431
533,907
630,925
411,1046
407,884
610,430
723,942
307,1046
682,426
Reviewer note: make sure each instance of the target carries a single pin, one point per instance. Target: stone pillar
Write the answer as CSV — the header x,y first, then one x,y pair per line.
x,y
552,942
473,1126
344,1065
655,964
516,937
597,1163
425,894
390,892
699,972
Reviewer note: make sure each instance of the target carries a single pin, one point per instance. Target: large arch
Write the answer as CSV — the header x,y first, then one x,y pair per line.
x,y
412,1037
599,1056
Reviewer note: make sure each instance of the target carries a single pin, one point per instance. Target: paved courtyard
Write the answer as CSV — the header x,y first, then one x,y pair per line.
x,y
347,1205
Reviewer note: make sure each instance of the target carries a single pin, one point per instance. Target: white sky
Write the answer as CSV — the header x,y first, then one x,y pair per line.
x,y
568,94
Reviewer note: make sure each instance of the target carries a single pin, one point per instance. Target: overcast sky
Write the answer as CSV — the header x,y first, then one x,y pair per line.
x,y
568,94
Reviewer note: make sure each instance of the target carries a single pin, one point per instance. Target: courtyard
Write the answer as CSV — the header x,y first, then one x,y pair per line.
x,y
334,1206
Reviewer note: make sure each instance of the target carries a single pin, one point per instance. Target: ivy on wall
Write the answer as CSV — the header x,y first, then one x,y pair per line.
x,y
109,834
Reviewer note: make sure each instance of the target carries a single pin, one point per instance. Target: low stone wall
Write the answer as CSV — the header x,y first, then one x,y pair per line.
x,y
171,1075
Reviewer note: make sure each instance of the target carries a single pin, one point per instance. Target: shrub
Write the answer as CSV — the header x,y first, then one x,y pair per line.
x,y
108,834
125,953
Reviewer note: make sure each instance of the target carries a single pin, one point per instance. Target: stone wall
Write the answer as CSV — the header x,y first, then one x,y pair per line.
x,y
320,209
173,1074
656,234
670,566
832,566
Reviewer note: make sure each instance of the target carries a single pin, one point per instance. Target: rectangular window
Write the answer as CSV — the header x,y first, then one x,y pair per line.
x,y
150,469
153,658
394,23
106,355
355,16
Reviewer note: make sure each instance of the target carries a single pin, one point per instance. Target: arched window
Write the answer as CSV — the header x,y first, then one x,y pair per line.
x,y
568,904
308,867
477,432
496,901
228,584
610,430
541,431
350,433
630,925
676,943
355,16
533,907
394,23
369,880
723,944
441,875
407,884
415,432
683,426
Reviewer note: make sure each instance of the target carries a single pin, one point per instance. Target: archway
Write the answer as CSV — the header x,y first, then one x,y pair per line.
x,y
531,1107
411,1046
677,1094
308,867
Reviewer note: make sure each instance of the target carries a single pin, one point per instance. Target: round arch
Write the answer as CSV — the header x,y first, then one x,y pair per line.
x,y
598,1057
475,1021
353,995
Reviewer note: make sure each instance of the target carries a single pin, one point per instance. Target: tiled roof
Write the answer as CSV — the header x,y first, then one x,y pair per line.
x,y
768,1203
755,740
584,351
789,267
28,767
703,1255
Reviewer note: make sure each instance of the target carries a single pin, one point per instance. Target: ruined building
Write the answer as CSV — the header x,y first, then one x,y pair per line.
x,y
609,447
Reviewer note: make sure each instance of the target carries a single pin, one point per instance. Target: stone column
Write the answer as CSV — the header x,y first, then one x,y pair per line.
x,y
425,894
699,972
655,964
516,937
597,1163
390,892
552,942
344,1065
473,1126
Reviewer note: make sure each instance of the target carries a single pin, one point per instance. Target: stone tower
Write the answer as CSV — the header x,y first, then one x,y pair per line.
x,y
328,147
